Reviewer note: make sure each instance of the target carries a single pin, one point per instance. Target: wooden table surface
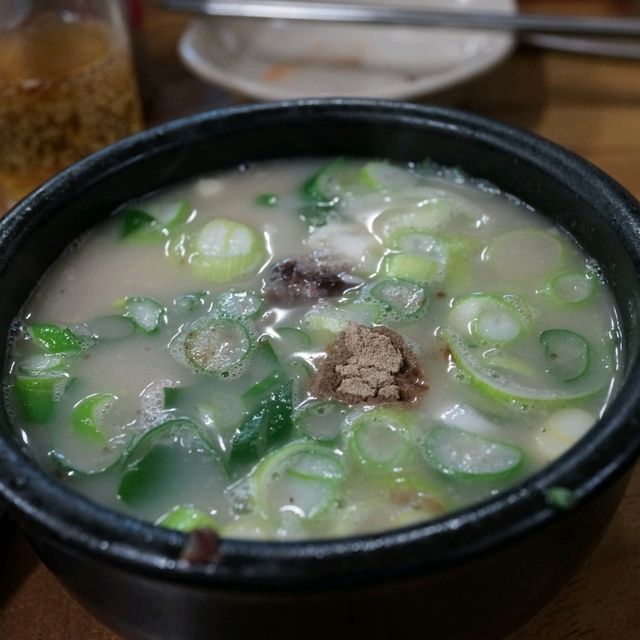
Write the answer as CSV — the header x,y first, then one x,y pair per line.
x,y
589,105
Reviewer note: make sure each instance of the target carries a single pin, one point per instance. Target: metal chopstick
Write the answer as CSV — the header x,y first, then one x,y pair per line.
x,y
379,14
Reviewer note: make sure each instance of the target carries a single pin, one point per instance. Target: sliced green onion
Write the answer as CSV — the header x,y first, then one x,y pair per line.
x,y
383,176
100,460
167,467
224,250
169,213
268,425
190,301
366,313
406,299
260,389
494,384
54,339
326,317
155,221
187,519
334,180
239,304
88,415
573,288
217,346
147,314
316,214
379,441
37,396
461,454
290,340
300,479
321,419
490,319
136,222
322,192
506,362
567,353
43,364
415,267
173,397
418,241
224,410
433,214
264,361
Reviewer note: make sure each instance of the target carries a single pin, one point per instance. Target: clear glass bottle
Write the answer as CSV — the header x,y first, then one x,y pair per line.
x,y
67,87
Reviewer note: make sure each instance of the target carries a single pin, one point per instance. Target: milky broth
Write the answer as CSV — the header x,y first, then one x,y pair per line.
x,y
511,353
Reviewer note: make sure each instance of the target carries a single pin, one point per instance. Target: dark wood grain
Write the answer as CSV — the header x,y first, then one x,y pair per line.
x,y
591,106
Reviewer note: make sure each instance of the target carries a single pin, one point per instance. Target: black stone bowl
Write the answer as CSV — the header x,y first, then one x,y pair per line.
x,y
473,575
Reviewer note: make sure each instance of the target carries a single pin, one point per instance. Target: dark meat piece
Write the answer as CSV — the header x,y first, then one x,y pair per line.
x,y
202,547
306,278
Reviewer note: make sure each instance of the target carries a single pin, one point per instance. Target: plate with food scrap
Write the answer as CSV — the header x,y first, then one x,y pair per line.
x,y
279,59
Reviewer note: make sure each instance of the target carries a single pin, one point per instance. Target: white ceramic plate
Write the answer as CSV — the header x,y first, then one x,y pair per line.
x,y
275,59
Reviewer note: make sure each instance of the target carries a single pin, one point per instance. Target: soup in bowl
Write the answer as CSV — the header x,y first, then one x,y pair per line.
x,y
346,370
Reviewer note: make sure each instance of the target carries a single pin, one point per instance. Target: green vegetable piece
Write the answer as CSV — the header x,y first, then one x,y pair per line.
x,y
166,464
490,319
43,364
415,267
134,221
224,250
406,299
326,317
461,454
267,200
147,314
155,221
384,176
258,391
435,213
572,288
173,397
494,384
379,441
88,414
315,215
37,396
295,339
248,441
187,519
322,192
224,412
99,462
53,339
217,346
301,476
567,353
239,304
269,424
327,184
289,341
321,419
190,301
561,498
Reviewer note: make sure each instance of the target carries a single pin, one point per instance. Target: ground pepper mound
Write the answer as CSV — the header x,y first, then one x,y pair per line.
x,y
369,365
